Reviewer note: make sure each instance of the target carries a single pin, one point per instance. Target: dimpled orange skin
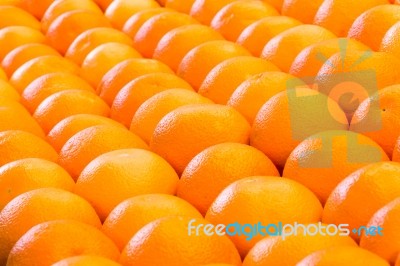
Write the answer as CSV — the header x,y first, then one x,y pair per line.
x,y
118,76
225,77
59,7
192,128
66,27
91,142
372,186
114,181
205,10
149,114
199,61
70,236
302,10
38,206
16,144
119,11
66,103
46,85
86,260
330,156
175,44
386,101
166,235
262,199
292,113
258,34
71,125
233,18
92,38
284,47
23,175
14,16
39,66
132,214
150,33
17,57
310,60
139,90
273,250
251,94
13,36
199,185
343,255
338,15
103,58
387,245
366,30
391,41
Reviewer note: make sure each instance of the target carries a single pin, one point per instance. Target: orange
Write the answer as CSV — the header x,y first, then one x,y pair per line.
x,y
251,94
277,4
366,29
386,245
274,250
133,24
71,125
15,117
10,3
48,84
72,237
13,36
86,260
139,90
16,144
205,10
66,27
20,55
233,18
132,214
198,185
8,92
338,15
310,60
149,114
169,239
92,38
14,16
302,10
93,141
343,255
323,160
103,4
104,57
38,206
293,114
265,200
225,77
255,36
151,32
391,41
361,194
3,75
39,66
284,47
59,7
28,174
183,6
386,105
174,45
188,130
118,76
396,151
35,7
66,103
108,180
352,77
199,61
119,11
